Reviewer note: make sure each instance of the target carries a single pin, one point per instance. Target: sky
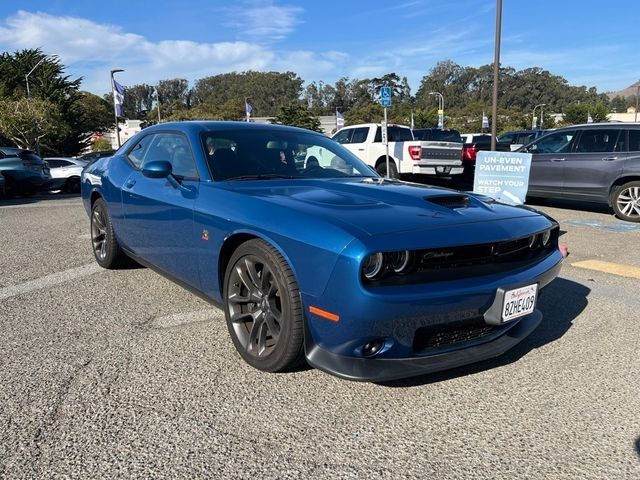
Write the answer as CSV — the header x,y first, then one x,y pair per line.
x,y
589,43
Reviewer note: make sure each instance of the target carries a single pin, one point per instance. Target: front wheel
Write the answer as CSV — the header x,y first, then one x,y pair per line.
x,y
263,308
626,202
103,239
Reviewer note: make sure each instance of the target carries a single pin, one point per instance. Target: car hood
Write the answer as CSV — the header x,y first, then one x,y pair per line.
x,y
377,206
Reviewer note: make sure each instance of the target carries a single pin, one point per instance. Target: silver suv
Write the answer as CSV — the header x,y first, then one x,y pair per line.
x,y
596,162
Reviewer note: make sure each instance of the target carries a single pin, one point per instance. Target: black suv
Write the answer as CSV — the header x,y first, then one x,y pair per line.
x,y
24,172
595,162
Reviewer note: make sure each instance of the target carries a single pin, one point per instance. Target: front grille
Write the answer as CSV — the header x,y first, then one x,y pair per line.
x,y
440,336
453,263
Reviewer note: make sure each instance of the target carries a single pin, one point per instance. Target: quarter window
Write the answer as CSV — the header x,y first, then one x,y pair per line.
x,y
597,140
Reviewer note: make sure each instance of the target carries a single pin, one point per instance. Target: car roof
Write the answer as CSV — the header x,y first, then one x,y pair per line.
x,y
196,126
13,150
603,125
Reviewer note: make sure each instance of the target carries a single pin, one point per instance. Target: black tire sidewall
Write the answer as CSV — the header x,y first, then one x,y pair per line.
x,y
614,201
393,170
287,350
114,255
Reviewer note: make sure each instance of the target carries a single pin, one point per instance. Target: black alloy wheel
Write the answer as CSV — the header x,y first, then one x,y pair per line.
x,y
103,240
263,308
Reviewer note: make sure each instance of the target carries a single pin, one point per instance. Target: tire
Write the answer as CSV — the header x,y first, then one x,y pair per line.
x,y
103,239
626,201
263,308
382,168
72,185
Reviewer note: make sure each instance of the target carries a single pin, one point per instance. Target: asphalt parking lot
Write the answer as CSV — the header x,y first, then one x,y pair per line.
x,y
123,374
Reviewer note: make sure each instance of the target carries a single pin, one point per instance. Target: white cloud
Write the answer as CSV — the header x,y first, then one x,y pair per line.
x,y
90,50
264,20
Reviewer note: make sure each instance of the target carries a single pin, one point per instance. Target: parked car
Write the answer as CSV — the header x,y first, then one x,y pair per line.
x,y
512,141
65,173
93,156
24,172
406,155
591,162
368,278
472,144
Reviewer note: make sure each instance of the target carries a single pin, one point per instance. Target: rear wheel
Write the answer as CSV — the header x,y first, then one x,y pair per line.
x,y
263,308
103,239
382,168
626,201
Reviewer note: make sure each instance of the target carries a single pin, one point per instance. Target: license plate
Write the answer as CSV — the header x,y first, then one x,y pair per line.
x,y
519,302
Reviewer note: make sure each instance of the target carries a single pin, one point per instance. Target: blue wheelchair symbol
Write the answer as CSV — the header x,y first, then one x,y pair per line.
x,y
385,96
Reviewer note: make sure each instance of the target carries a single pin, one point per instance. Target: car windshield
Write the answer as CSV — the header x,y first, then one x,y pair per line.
x,y
262,154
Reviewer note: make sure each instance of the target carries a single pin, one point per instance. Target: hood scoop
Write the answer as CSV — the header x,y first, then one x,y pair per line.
x,y
450,201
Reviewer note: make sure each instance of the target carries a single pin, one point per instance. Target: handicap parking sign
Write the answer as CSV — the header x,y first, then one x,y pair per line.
x,y
385,96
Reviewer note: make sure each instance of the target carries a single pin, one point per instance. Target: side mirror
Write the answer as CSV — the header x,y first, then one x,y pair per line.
x,y
157,169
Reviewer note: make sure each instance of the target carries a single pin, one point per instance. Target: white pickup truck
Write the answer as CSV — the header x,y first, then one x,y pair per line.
x,y
406,155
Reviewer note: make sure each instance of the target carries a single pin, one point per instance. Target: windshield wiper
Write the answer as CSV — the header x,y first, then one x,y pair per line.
x,y
261,176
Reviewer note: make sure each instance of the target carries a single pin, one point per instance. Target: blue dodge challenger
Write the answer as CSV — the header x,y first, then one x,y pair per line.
x,y
313,256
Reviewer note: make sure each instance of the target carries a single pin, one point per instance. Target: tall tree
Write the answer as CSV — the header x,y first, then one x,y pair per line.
x,y
298,115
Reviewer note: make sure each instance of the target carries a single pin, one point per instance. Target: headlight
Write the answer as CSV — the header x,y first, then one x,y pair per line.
x,y
546,236
373,265
400,261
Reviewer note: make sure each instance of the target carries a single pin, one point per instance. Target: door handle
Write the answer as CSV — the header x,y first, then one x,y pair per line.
x,y
609,159
557,159
130,183
361,149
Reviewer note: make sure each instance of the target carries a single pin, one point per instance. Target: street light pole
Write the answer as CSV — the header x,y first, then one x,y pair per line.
x,y
637,95
533,115
26,77
115,110
496,73
440,108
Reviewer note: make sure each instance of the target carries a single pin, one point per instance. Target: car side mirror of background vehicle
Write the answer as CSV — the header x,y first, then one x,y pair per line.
x,y
157,169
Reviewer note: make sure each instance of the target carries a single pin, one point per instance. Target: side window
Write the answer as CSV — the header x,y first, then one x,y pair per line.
x,y
507,138
174,148
54,163
137,154
343,136
597,141
559,142
359,135
634,140
397,134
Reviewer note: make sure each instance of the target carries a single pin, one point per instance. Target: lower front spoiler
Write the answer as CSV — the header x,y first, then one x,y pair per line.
x,y
385,369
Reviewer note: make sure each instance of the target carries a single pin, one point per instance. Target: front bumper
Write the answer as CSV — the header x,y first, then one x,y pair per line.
x,y
335,349
385,369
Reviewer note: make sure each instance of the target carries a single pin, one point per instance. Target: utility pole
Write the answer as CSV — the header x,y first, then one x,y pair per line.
x,y
496,75
26,79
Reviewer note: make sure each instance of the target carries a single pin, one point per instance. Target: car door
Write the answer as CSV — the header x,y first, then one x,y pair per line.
x,y
596,161
158,212
549,154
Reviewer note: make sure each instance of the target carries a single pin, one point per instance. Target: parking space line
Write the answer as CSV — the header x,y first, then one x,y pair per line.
x,y
50,280
43,205
196,316
619,269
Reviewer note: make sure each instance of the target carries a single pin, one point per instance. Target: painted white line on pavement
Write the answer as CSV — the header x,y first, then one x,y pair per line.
x,y
43,205
49,280
196,316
